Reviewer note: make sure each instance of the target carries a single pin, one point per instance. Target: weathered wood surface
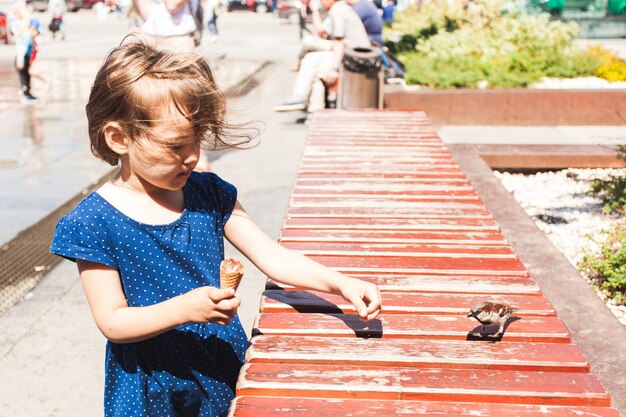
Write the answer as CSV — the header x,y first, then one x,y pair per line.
x,y
417,262
379,197
277,301
419,353
408,326
401,383
355,224
409,281
395,249
249,406
384,235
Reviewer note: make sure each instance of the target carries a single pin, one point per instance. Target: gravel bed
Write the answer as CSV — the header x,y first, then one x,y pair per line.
x,y
558,203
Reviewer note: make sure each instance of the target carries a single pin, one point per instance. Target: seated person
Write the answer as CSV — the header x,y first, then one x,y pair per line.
x,y
319,39
347,31
371,18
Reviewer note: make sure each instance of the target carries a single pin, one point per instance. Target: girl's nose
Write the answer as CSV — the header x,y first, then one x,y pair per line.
x,y
192,156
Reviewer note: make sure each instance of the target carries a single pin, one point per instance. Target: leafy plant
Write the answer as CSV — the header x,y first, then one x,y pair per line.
x,y
451,44
612,190
510,51
607,269
422,20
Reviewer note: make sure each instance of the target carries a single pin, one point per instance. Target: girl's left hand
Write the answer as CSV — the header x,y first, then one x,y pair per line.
x,y
364,296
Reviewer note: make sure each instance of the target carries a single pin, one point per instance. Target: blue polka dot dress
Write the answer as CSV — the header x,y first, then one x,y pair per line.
x,y
188,371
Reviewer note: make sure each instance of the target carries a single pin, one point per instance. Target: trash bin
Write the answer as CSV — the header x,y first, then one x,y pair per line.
x,y
360,84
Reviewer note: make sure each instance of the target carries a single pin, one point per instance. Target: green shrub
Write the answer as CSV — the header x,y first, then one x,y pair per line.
x,y
511,51
425,19
607,269
612,190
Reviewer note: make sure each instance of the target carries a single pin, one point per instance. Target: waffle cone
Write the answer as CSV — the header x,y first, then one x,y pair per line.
x,y
231,272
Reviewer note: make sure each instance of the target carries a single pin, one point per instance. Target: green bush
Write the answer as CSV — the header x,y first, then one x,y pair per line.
x,y
455,44
612,191
607,269
425,19
512,51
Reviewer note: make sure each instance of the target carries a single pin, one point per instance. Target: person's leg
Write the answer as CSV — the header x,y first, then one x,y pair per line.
x,y
213,25
312,63
24,75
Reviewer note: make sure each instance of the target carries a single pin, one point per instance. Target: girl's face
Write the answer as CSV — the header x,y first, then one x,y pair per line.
x,y
166,158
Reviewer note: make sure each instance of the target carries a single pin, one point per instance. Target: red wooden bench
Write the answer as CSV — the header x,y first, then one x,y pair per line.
x,y
379,197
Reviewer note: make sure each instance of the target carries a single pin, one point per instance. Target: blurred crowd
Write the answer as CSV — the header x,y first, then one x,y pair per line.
x,y
328,27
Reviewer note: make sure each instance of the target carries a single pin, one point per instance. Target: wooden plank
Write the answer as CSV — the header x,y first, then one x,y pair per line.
x,y
418,353
407,202
367,182
391,191
401,140
395,153
409,195
410,326
430,175
442,212
279,301
364,200
453,283
401,383
421,263
252,406
417,236
414,171
359,168
359,223
382,249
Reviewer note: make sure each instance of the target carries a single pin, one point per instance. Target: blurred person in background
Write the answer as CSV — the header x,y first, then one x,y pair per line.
x,y
346,31
212,10
26,52
169,24
371,18
57,9
388,12
319,38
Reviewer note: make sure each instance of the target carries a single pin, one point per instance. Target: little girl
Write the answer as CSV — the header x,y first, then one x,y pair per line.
x,y
149,242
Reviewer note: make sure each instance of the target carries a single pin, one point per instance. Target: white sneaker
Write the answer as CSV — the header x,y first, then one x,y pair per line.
x,y
28,99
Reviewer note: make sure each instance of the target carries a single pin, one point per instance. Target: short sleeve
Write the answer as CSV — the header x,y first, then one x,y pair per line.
x,y
76,240
227,197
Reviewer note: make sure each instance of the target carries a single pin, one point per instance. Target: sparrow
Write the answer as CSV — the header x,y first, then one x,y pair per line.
x,y
488,313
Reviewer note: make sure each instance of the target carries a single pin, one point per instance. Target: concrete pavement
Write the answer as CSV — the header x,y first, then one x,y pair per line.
x,y
50,350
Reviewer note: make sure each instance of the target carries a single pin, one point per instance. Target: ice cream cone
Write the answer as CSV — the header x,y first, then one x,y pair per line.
x,y
231,272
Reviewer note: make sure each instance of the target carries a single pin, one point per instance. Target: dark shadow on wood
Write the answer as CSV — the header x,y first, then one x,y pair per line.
x,y
489,330
362,329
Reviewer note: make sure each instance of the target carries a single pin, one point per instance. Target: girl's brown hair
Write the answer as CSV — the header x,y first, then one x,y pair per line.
x,y
135,81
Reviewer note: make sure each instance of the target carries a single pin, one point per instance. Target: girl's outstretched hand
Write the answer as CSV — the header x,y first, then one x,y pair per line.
x,y
364,296
210,304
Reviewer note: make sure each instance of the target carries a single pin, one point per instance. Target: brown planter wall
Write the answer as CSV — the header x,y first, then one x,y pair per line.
x,y
518,107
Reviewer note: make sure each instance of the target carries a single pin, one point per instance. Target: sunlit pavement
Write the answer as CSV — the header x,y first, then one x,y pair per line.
x,y
50,350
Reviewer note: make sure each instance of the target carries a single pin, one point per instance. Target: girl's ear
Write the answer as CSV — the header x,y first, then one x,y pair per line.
x,y
116,138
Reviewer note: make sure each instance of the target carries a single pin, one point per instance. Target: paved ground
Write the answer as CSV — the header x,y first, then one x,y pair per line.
x,y
50,350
